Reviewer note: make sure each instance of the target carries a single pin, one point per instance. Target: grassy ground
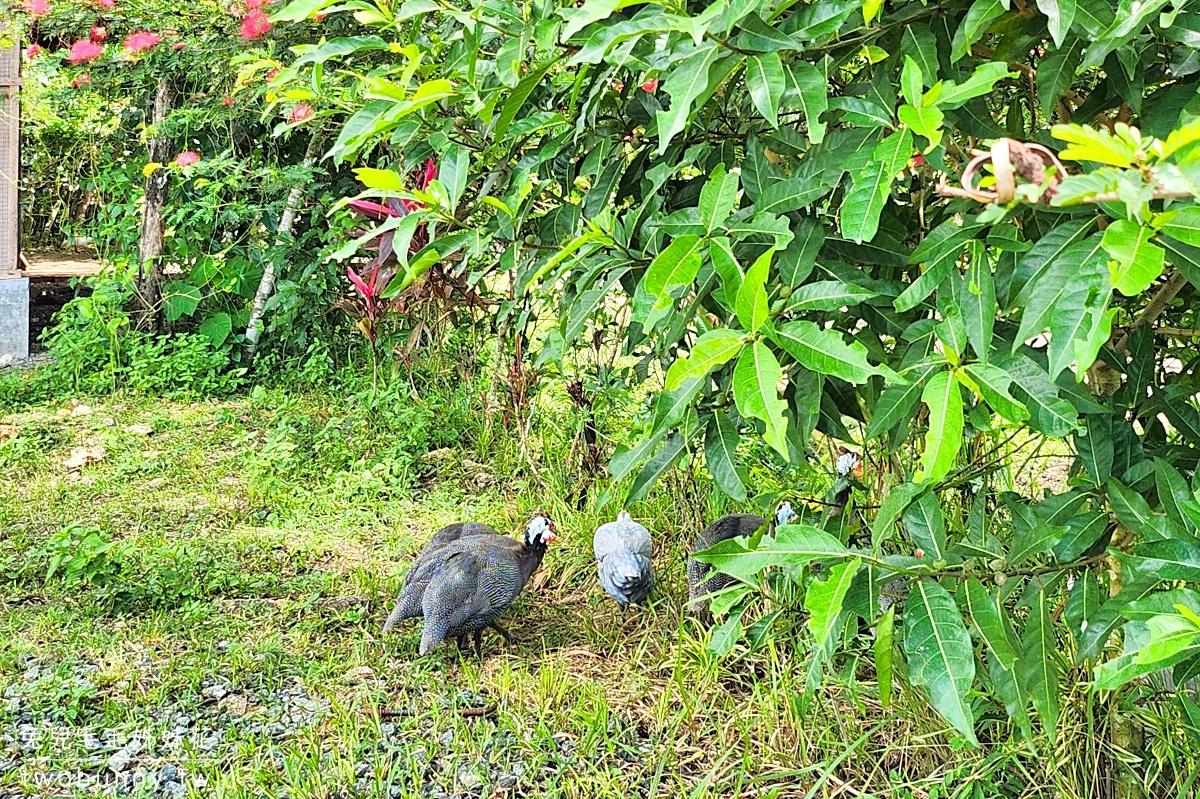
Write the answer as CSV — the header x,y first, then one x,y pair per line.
x,y
228,644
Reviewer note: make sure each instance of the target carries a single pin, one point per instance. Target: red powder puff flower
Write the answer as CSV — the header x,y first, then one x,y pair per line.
x,y
270,76
254,24
301,113
226,101
32,51
84,50
141,41
650,85
178,46
253,4
320,16
106,3
187,158
82,80
37,8
99,34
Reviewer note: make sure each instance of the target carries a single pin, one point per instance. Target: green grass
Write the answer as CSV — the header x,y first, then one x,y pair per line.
x,y
258,547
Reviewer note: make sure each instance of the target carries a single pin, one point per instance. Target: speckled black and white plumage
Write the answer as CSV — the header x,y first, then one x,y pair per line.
x,y
417,577
702,578
472,581
623,559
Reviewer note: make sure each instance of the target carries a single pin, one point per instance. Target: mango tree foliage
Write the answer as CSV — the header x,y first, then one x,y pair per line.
x,y
741,195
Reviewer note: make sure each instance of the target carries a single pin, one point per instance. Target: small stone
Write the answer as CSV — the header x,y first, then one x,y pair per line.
x,y
359,675
119,761
92,743
210,743
223,645
362,769
32,673
447,738
169,773
217,691
395,792
469,779
140,429
173,790
25,660
506,780
81,410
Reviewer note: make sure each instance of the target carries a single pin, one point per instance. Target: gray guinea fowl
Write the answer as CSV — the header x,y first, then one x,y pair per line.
x,y
472,581
702,578
623,558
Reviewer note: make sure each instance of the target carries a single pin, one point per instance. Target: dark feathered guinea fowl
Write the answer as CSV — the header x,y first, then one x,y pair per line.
x,y
702,578
623,559
471,582
848,463
409,604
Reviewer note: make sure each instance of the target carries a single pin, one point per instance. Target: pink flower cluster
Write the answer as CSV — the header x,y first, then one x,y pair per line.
x,y
85,50
141,41
36,8
255,22
301,113
187,158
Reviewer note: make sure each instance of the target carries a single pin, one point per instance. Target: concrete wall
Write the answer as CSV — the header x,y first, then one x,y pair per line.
x,y
14,318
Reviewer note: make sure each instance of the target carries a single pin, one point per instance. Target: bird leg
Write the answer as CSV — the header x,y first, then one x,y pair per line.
x,y
462,642
479,644
505,634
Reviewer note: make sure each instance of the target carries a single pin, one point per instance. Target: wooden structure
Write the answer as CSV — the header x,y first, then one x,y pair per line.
x,y
10,159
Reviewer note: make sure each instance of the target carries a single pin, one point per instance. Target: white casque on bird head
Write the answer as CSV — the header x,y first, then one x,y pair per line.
x,y
784,514
540,530
624,516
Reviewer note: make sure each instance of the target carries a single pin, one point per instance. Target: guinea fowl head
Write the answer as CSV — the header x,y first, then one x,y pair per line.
x,y
624,516
848,461
540,530
784,514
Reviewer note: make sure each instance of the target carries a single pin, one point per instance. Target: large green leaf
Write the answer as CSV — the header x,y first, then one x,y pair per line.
x,y
720,455
675,266
765,80
755,378
1184,225
975,293
992,623
1139,262
1056,73
892,508
980,83
1167,560
806,91
717,198
793,545
859,215
884,634
715,348
828,295
993,384
895,404
1039,661
1128,506
1059,16
752,305
940,657
974,24
825,352
686,81
927,525
1094,445
823,601
944,398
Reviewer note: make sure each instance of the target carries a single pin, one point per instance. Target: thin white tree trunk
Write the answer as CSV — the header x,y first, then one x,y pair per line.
x,y
266,286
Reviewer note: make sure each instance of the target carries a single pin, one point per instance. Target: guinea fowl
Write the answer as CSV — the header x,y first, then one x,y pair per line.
x,y
623,558
470,582
702,578
848,463
417,574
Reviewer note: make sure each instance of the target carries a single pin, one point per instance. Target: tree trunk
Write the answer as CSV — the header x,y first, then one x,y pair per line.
x,y
149,279
266,286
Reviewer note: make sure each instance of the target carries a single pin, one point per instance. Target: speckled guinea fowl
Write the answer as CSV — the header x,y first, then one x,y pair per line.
x,y
702,578
475,580
623,559
417,577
